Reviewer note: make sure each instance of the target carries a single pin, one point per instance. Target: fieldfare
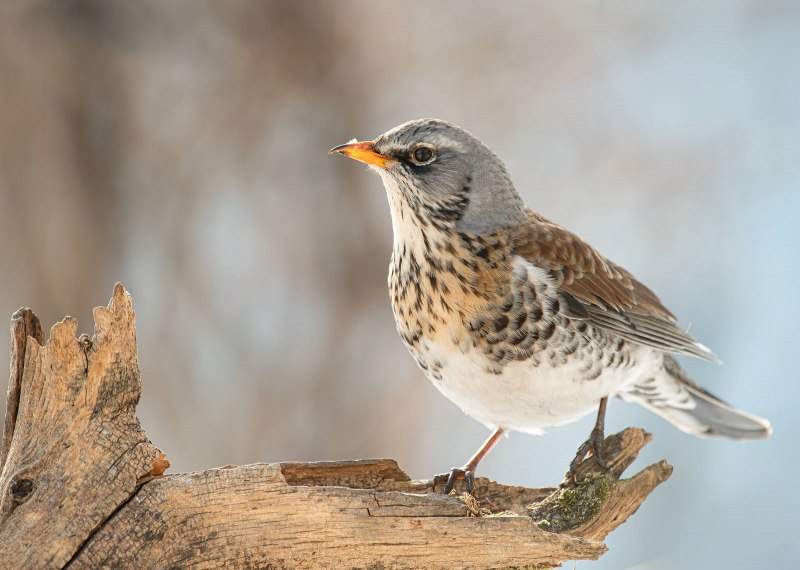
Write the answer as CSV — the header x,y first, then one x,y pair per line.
x,y
515,319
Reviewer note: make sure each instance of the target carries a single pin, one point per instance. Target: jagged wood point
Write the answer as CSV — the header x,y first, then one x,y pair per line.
x,y
83,486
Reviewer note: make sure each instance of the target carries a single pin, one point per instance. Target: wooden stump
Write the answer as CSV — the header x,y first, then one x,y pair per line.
x,y
83,486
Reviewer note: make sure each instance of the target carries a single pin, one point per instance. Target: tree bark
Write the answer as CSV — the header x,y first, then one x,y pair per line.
x,y
83,486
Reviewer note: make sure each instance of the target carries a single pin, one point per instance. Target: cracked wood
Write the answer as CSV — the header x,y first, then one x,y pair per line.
x,y
74,443
83,487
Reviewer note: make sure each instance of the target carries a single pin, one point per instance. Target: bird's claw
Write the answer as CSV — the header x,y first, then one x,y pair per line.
x,y
456,473
593,444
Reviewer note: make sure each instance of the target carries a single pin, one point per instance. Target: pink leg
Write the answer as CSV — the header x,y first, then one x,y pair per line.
x,y
468,471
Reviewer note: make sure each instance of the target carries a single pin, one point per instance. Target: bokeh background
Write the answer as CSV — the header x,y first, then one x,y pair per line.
x,y
180,147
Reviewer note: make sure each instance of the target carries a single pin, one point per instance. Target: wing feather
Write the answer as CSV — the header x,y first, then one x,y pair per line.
x,y
613,299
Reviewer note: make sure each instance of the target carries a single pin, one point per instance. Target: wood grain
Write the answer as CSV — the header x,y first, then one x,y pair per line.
x,y
76,450
83,487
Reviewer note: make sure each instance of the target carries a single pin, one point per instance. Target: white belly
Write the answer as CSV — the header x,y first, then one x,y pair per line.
x,y
523,398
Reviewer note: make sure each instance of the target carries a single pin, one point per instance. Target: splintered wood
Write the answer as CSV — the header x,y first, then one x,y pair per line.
x,y
83,486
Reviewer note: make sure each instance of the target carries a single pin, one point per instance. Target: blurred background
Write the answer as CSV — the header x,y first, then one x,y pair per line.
x,y
180,147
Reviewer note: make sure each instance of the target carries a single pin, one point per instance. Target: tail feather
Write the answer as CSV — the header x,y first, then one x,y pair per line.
x,y
675,397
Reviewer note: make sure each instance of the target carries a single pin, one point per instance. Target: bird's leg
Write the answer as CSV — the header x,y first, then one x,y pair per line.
x,y
594,443
468,471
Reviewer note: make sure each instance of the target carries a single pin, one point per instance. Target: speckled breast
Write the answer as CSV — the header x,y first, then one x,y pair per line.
x,y
489,330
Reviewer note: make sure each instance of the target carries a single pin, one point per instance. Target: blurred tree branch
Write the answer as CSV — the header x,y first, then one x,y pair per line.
x,y
83,486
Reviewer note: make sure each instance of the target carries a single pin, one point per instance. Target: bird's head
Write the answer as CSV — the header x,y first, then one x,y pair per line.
x,y
442,173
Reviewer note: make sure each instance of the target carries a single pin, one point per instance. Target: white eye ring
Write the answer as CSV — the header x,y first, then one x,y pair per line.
x,y
422,154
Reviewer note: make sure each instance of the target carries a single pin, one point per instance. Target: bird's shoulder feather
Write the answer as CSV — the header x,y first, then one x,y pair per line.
x,y
607,294
581,270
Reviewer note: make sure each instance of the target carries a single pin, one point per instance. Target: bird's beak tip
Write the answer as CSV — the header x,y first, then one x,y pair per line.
x,y
363,152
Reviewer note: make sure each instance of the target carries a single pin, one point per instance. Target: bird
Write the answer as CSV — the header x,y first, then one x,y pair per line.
x,y
514,318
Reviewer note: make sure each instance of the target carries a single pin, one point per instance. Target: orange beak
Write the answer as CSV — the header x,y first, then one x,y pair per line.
x,y
364,152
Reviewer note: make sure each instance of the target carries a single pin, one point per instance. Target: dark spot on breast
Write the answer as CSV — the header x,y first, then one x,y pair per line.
x,y
500,323
517,337
552,305
529,340
413,264
549,330
483,252
475,325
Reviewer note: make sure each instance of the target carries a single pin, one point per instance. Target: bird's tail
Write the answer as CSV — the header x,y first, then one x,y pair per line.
x,y
670,393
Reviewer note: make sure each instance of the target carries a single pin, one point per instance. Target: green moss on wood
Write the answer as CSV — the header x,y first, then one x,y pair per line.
x,y
573,507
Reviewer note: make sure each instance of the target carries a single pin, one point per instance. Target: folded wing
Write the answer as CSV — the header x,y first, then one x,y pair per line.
x,y
600,291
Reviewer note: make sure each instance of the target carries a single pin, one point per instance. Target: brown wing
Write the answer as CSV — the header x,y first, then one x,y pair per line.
x,y
609,296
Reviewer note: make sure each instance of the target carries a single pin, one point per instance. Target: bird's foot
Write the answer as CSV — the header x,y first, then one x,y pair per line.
x,y
456,473
593,444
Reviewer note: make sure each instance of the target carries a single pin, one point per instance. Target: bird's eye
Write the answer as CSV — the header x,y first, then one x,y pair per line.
x,y
422,155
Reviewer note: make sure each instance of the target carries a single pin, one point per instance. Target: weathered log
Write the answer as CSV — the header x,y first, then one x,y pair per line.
x,y
83,486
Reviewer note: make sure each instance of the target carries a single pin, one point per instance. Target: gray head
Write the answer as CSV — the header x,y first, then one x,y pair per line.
x,y
443,173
